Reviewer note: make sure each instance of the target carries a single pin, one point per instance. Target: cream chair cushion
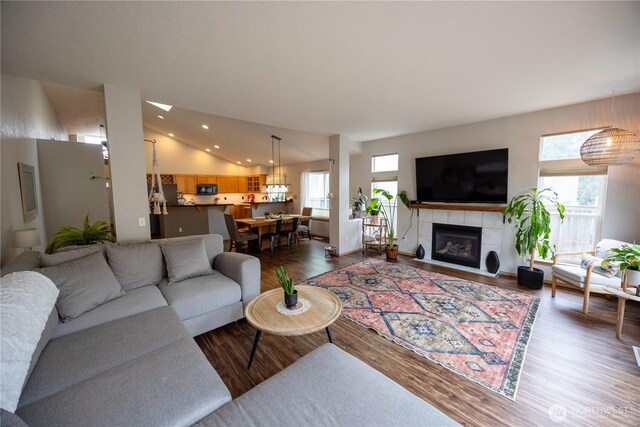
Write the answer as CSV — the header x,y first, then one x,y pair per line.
x,y
576,276
604,246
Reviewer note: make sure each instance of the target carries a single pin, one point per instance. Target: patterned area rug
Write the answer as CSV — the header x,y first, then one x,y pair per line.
x,y
478,331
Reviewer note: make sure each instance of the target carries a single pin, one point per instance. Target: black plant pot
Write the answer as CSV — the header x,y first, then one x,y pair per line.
x,y
291,300
420,252
530,279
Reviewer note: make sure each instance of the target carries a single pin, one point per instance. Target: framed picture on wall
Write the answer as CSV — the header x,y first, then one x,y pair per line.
x,y
28,191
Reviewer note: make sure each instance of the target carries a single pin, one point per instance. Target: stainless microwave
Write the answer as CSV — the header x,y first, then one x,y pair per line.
x,y
207,189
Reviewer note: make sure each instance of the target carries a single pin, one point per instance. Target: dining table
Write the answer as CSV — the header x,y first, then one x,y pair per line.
x,y
261,224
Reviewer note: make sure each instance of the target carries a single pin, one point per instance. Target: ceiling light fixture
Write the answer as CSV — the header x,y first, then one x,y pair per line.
x,y
205,127
249,160
208,150
239,162
216,146
165,107
171,135
160,117
612,146
276,191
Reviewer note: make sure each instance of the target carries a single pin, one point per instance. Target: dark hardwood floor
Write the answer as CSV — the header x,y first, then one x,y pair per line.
x,y
574,362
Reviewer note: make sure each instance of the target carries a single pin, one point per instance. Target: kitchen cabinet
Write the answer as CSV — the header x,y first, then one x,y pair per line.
x,y
254,183
207,179
181,183
191,182
243,184
228,184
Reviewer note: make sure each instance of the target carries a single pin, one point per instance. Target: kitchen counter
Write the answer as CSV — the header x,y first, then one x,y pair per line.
x,y
264,202
201,205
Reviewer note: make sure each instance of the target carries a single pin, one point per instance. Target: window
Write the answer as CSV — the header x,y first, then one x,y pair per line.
x,y
580,188
385,163
315,192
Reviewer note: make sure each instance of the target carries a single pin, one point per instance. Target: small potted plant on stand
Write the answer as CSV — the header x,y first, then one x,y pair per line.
x,y
389,214
532,225
628,257
267,214
288,285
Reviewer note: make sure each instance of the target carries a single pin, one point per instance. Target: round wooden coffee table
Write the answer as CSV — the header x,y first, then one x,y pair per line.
x,y
623,295
324,308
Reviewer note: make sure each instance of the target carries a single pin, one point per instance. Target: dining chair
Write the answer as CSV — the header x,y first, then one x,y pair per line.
x,y
304,226
290,231
274,232
236,237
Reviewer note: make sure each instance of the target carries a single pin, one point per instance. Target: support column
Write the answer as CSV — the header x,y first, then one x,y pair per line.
x,y
343,234
127,163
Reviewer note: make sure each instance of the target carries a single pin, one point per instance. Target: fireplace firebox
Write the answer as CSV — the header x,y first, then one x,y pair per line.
x,y
457,244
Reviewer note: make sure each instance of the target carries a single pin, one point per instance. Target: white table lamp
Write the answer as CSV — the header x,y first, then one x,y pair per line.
x,y
26,238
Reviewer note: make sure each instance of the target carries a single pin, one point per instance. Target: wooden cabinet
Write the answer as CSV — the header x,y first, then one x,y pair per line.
x,y
207,179
191,182
228,184
255,182
243,184
181,183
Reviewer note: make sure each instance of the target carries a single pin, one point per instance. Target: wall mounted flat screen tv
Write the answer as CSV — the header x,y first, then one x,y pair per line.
x,y
478,177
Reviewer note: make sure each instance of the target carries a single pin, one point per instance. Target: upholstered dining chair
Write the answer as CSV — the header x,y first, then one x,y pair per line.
x,y
290,231
274,232
585,279
237,237
303,227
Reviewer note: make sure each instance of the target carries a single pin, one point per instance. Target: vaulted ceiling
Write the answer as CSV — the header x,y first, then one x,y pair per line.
x,y
366,70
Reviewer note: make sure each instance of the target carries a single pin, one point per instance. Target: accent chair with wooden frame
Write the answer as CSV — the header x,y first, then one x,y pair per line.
x,y
584,279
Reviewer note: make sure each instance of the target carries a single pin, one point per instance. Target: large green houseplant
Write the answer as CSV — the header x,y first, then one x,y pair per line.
x,y
97,232
388,211
628,258
531,220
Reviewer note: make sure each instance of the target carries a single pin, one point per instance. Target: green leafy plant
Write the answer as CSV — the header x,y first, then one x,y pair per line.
x,y
281,212
531,221
267,213
287,283
357,203
627,255
97,232
388,210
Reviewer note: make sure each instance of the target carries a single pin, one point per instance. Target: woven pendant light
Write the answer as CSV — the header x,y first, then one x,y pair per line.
x,y
612,146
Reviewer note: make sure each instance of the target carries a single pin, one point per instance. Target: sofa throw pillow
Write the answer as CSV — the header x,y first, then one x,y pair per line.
x,y
136,265
85,283
608,270
27,299
70,253
185,260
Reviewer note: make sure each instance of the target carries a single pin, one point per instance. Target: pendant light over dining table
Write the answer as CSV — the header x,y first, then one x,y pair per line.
x,y
611,146
276,190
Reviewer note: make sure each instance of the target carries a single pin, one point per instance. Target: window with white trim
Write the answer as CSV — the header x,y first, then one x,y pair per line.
x,y
385,163
316,192
581,188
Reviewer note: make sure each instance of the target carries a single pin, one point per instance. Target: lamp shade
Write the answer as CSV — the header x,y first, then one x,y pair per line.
x,y
26,238
612,146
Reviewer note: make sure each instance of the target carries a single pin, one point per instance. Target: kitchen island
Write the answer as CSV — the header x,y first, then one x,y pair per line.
x,y
189,220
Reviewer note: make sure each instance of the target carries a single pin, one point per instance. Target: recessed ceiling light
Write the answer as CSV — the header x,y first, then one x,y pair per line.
x,y
172,135
160,117
165,107
208,150
270,161
239,163
216,146
249,160
205,127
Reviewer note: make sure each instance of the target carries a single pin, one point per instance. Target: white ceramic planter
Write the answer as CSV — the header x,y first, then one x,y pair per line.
x,y
633,277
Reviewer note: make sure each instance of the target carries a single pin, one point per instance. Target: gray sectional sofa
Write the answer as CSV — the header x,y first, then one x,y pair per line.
x,y
132,361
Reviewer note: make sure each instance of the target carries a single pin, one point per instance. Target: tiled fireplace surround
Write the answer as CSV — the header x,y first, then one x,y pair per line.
x,y
491,223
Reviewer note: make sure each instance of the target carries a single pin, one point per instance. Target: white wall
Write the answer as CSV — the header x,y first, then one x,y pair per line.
x,y
26,116
521,134
68,166
177,157
127,163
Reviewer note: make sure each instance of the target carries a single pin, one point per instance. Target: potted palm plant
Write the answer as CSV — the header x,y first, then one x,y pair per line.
x,y
97,232
288,285
628,257
531,221
388,212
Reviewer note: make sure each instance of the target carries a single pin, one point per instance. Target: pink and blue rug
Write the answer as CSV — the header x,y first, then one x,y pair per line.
x,y
477,331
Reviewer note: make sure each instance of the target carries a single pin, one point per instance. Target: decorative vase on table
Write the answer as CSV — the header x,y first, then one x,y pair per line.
x,y
420,252
288,286
291,300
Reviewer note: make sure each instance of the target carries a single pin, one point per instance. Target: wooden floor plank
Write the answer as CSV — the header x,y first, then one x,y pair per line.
x,y
574,361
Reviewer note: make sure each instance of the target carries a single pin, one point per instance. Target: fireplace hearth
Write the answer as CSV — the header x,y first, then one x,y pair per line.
x,y
456,244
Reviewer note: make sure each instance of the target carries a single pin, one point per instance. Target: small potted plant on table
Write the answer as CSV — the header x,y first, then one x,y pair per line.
x,y
288,285
532,225
628,257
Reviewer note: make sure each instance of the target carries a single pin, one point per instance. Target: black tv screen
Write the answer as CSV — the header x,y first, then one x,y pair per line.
x,y
478,177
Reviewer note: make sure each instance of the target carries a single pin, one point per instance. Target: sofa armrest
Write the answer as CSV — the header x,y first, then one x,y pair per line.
x,y
26,261
244,269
